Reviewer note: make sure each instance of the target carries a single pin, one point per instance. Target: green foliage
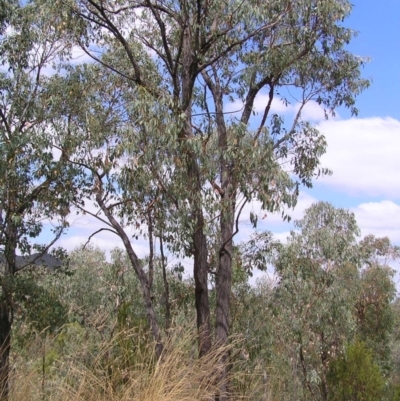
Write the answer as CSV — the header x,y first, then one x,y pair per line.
x,y
142,133
147,116
278,326
40,308
35,184
374,312
328,287
355,376
394,346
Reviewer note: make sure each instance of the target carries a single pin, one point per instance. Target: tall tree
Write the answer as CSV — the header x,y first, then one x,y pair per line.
x,y
207,56
32,176
317,291
113,187
331,290
374,309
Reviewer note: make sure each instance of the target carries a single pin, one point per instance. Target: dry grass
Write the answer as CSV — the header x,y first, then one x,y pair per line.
x,y
125,369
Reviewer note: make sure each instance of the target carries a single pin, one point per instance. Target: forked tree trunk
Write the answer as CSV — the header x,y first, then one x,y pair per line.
x,y
200,265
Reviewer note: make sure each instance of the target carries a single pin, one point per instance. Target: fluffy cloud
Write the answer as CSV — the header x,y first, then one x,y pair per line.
x,y
305,200
381,219
364,156
277,105
271,221
105,240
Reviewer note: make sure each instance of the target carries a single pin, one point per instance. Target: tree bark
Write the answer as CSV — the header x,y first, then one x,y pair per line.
x,y
227,219
5,344
6,310
201,290
223,286
166,286
224,274
200,252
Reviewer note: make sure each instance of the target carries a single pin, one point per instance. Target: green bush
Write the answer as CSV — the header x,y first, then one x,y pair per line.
x,y
355,376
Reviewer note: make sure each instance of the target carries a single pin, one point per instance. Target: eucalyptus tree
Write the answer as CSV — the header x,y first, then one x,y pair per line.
x,y
317,292
374,310
331,290
32,176
100,124
206,57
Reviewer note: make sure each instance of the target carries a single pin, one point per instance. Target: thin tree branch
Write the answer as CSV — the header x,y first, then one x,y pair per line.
x,y
40,255
222,248
266,112
91,214
96,232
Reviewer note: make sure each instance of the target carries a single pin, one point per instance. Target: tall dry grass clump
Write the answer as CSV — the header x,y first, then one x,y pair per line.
x,y
122,369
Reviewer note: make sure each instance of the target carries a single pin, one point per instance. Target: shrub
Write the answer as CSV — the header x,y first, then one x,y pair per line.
x,y
355,376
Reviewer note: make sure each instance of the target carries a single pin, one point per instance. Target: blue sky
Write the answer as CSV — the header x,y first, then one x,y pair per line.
x,y
379,38
363,151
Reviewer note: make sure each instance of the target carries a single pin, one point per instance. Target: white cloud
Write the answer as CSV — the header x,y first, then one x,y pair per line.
x,y
277,105
304,201
282,237
82,226
364,156
381,219
234,107
106,241
313,112
260,103
271,221
378,218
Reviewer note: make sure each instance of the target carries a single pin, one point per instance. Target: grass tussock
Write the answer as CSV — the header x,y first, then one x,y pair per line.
x,y
122,369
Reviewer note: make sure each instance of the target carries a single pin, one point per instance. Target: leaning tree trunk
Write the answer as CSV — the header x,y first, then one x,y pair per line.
x,y
140,273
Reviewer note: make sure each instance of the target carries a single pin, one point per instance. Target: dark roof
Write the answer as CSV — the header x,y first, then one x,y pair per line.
x,y
35,259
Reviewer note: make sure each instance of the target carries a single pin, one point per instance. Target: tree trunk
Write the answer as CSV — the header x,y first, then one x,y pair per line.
x,y
200,253
166,286
227,219
6,311
5,344
201,289
223,287
200,265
